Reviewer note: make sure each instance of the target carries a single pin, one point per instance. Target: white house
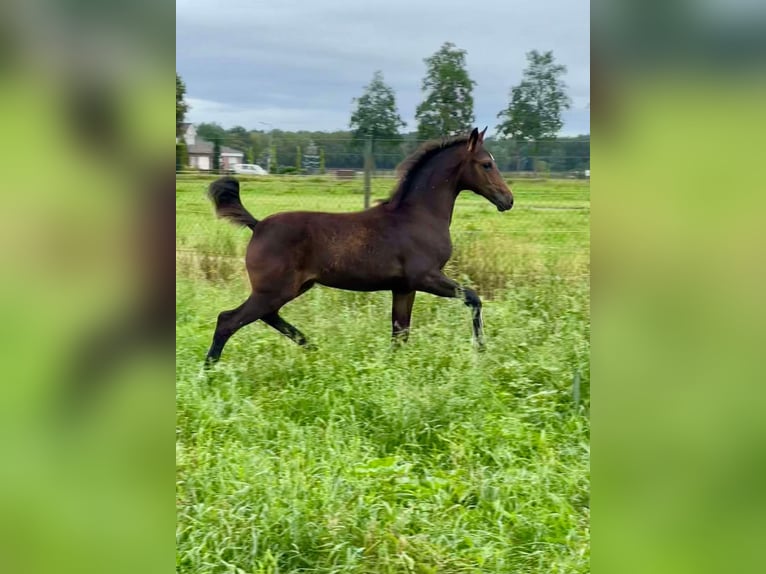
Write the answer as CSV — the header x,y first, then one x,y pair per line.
x,y
201,151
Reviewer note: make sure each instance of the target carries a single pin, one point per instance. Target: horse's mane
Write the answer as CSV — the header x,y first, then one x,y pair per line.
x,y
409,167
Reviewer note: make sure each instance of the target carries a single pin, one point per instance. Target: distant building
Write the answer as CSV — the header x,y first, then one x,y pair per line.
x,y
201,151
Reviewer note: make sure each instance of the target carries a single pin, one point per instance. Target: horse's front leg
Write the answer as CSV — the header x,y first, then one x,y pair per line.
x,y
401,312
439,284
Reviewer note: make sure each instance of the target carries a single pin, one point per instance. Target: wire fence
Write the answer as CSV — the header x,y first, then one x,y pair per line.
x,y
315,153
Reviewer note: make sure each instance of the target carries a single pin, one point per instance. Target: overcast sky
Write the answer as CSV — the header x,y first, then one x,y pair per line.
x,y
297,64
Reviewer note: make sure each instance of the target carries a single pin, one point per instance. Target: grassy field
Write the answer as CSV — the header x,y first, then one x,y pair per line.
x,y
357,458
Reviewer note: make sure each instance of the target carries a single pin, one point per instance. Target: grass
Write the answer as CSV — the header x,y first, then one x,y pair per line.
x,y
357,458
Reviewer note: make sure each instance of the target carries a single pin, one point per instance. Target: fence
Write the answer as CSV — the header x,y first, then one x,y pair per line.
x,y
347,158
319,152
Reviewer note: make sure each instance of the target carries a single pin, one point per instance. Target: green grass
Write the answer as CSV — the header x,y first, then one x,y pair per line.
x,y
357,458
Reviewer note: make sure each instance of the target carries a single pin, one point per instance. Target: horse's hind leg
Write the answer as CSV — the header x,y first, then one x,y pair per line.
x,y
229,322
401,311
275,321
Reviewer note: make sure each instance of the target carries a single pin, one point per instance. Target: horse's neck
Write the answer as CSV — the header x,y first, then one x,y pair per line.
x,y
434,191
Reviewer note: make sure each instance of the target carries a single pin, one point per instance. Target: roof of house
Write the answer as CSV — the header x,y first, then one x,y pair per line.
x,y
202,147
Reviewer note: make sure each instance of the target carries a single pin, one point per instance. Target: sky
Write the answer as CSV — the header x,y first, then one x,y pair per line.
x,y
298,64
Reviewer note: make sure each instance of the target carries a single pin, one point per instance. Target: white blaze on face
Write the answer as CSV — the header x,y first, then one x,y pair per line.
x,y
491,156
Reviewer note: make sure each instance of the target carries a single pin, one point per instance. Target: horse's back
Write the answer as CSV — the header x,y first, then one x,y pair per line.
x,y
321,227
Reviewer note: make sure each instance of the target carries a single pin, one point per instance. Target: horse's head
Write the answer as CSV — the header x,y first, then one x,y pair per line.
x,y
479,173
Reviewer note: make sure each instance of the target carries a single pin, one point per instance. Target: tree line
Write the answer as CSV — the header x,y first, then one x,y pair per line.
x,y
526,135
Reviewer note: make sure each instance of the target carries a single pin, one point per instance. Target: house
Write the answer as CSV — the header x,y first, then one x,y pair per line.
x,y
201,151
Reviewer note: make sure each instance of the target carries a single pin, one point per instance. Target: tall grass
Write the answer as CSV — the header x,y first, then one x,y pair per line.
x,y
359,458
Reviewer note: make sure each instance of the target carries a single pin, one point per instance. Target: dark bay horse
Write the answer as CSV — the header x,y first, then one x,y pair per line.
x,y
400,245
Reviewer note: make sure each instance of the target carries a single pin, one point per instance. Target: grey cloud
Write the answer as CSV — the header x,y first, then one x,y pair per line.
x,y
317,56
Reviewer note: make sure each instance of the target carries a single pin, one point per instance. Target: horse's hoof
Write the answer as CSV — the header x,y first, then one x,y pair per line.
x,y
208,363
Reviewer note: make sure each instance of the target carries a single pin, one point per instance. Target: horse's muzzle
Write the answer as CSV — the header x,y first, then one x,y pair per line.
x,y
503,202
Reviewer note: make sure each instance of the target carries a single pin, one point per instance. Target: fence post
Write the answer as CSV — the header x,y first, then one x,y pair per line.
x,y
367,170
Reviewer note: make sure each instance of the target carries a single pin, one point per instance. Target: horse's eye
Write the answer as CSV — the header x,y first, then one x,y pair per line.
x,y
487,165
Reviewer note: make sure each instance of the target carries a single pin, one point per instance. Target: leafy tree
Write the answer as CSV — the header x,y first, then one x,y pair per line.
x,y
181,106
376,116
562,154
558,160
448,105
298,158
210,132
216,154
237,138
259,142
182,155
534,111
322,169
273,163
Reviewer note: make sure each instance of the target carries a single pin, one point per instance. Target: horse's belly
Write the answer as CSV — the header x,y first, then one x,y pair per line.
x,y
361,277
361,282
355,264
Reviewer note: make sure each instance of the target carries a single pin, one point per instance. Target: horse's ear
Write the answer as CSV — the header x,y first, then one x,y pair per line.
x,y
481,135
473,139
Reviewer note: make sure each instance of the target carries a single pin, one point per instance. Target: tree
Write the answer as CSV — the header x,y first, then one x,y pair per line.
x,y
210,132
237,138
558,159
322,169
534,112
298,158
181,106
259,143
376,116
273,164
182,155
448,105
216,154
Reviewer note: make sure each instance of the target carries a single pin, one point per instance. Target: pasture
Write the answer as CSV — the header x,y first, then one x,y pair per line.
x,y
359,458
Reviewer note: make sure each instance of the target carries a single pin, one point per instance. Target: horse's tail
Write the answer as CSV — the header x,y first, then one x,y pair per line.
x,y
224,192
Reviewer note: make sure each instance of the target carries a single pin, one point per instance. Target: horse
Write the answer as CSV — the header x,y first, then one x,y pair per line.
x,y
399,245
